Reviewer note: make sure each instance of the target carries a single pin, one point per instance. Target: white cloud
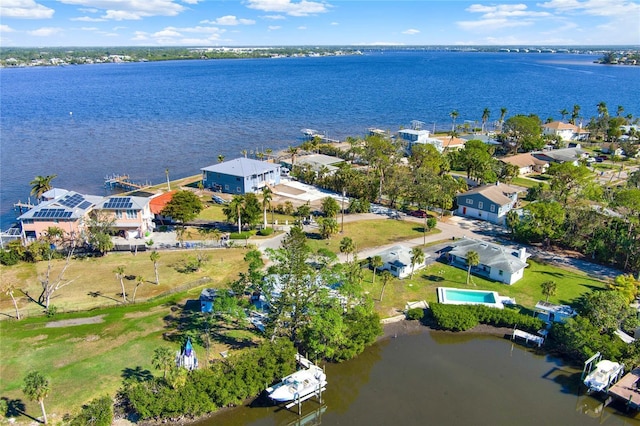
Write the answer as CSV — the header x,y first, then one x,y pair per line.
x,y
191,1
25,9
301,8
610,8
87,19
501,16
411,31
45,32
274,27
334,23
167,32
229,20
89,28
88,10
140,36
492,24
130,9
6,29
273,17
302,28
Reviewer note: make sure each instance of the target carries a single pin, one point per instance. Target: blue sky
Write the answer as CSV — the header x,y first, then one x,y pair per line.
x,y
317,22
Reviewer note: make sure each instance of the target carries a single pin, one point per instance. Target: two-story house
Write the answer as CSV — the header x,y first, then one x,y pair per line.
x,y
488,202
131,217
240,176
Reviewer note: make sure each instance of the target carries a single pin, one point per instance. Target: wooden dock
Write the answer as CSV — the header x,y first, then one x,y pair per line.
x,y
527,337
626,389
123,182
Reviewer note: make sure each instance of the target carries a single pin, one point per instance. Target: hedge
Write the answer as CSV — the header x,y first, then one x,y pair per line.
x,y
241,236
464,317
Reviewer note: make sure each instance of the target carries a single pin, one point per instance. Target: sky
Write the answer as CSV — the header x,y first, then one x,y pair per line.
x,y
38,23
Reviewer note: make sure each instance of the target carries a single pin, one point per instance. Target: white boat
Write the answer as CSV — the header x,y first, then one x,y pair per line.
x,y
298,385
604,375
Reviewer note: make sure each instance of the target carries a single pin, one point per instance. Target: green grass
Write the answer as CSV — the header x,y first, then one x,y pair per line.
x,y
527,291
370,233
525,182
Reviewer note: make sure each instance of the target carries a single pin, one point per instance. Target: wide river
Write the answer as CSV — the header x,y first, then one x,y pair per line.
x,y
438,378
82,123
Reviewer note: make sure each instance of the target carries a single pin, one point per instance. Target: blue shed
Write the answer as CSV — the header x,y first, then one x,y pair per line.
x,y
207,297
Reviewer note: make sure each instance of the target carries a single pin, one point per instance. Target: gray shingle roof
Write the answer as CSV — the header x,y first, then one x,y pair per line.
x,y
496,193
492,255
242,167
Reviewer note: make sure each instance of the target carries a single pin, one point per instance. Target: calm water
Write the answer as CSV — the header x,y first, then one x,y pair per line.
x,y
442,379
142,118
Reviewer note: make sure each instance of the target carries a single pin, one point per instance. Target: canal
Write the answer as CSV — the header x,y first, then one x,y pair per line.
x,y
422,377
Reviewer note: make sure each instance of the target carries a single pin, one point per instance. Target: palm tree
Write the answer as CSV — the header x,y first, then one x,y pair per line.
x,y
485,117
36,388
267,196
347,246
602,109
375,262
139,282
574,114
549,289
564,113
8,290
155,256
503,113
473,259
453,114
220,158
619,110
41,184
244,153
293,151
119,271
385,277
234,208
417,256
162,359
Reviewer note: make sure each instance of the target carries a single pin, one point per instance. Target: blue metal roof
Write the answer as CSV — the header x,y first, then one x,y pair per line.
x,y
242,167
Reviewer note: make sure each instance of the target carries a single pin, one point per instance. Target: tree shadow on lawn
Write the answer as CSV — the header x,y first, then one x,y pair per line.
x,y
96,294
433,278
16,408
188,322
136,374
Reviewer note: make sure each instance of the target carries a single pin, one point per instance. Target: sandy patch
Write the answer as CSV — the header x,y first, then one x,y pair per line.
x,y
285,189
76,321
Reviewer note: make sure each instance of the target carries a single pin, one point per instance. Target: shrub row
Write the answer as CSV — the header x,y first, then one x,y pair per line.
x,y
240,235
464,317
265,231
203,391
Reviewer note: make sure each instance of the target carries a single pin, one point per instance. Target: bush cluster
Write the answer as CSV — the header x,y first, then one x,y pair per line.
x,y
240,235
464,317
265,232
203,391
415,314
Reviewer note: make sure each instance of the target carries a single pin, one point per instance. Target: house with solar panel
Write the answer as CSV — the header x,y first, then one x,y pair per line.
x,y
240,176
67,210
132,216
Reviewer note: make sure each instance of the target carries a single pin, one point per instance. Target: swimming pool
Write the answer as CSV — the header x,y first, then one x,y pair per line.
x,y
458,296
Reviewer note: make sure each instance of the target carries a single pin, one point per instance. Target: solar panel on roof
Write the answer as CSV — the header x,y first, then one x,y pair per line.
x,y
84,205
119,203
72,201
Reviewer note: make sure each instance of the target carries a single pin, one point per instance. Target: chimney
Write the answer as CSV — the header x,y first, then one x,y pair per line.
x,y
522,254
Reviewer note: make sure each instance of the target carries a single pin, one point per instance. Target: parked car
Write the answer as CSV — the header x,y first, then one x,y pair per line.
x,y
418,213
219,200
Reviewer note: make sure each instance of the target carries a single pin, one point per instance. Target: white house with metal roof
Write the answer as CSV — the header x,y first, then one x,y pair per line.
x,y
240,176
497,263
397,260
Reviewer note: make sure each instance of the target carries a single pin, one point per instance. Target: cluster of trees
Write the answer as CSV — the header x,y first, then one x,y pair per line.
x,y
563,214
600,314
181,393
465,317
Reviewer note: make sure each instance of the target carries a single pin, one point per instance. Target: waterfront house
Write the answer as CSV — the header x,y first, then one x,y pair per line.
x,y
526,163
566,131
240,176
411,137
397,260
488,202
451,143
157,203
319,163
67,210
497,263
131,216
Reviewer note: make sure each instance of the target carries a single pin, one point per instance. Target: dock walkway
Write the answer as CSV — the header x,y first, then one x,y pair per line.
x,y
626,389
528,337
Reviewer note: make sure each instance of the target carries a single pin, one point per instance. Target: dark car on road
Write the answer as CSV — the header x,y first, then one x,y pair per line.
x,y
417,213
218,200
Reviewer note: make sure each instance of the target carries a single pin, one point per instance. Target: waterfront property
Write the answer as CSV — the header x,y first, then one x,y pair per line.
x,y
132,217
412,137
497,262
564,155
549,312
457,296
319,163
240,176
526,163
566,131
488,202
397,260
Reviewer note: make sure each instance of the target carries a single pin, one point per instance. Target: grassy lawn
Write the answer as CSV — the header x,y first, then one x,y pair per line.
x,y
527,292
524,182
370,233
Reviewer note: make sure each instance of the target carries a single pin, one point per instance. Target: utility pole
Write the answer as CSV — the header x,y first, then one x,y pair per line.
x,y
344,193
166,171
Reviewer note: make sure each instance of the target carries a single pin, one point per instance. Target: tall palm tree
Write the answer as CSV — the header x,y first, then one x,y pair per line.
x,y
220,158
485,117
602,109
163,359
549,289
41,184
244,153
503,113
119,271
385,277
473,259
267,196
619,110
139,282
453,114
9,289
574,114
155,256
564,113
36,388
234,208
347,245
417,256
376,262
293,151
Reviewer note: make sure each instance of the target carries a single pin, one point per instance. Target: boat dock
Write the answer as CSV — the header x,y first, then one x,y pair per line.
x,y
627,390
527,337
311,134
123,182
21,207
